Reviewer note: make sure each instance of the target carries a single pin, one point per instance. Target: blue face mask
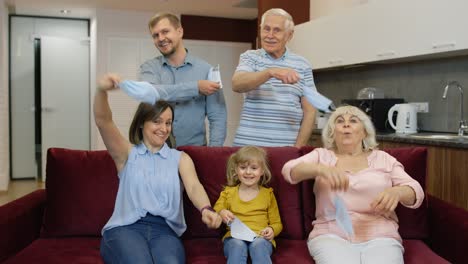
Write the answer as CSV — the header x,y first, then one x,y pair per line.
x,y
342,216
318,100
140,91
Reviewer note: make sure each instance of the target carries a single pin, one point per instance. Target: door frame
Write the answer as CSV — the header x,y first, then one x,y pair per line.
x,y
36,66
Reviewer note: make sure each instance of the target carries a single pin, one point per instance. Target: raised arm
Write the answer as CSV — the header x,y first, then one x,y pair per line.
x,y
181,91
307,167
243,82
196,192
116,144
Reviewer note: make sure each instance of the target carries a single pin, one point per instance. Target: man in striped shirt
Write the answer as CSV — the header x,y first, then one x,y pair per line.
x,y
273,79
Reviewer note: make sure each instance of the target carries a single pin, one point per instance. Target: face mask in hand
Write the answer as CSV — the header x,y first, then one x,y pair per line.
x,y
140,91
342,216
214,75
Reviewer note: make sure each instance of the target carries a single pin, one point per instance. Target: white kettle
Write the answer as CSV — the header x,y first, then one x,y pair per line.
x,y
406,122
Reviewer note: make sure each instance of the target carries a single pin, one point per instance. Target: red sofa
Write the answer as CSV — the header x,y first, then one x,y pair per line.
x,y
62,223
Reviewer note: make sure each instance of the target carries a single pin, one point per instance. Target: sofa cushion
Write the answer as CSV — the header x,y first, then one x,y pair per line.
x,y
292,251
417,251
59,251
412,222
81,187
210,164
204,251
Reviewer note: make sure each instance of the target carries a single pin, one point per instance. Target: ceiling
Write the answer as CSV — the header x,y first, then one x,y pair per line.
x,y
242,9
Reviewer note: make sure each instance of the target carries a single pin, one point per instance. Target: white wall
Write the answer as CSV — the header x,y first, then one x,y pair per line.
x,y
4,124
319,8
111,26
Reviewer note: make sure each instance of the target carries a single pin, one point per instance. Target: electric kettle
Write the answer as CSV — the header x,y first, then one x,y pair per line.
x,y
406,122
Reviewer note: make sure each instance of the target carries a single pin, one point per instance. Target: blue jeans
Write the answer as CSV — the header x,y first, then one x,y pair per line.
x,y
237,251
149,240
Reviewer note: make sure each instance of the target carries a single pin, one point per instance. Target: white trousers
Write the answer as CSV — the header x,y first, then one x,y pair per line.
x,y
332,249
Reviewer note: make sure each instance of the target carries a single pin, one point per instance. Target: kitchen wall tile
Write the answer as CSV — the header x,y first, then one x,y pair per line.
x,y
421,81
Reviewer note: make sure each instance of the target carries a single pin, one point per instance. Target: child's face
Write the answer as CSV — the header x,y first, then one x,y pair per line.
x,y
249,173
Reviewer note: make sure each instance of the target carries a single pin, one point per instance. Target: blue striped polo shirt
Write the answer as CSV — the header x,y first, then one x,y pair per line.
x,y
272,113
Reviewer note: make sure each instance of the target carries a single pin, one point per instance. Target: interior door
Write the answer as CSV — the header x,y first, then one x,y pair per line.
x,y
65,94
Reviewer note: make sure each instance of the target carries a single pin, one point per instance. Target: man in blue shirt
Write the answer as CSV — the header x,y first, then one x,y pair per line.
x,y
181,79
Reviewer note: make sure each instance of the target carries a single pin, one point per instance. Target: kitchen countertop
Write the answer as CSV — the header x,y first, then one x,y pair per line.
x,y
423,138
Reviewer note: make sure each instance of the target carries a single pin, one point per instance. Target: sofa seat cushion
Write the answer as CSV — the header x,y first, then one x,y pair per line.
x,y
416,251
210,250
294,251
59,251
204,250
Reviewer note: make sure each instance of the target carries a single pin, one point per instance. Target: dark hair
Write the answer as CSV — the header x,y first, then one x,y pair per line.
x,y
146,112
173,19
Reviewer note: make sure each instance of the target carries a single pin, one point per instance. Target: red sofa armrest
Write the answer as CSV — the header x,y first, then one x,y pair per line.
x,y
448,230
20,223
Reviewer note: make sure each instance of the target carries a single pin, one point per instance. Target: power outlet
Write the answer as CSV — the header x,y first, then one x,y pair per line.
x,y
422,107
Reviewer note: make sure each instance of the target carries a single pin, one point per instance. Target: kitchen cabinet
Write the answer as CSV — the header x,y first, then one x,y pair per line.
x,y
447,172
382,31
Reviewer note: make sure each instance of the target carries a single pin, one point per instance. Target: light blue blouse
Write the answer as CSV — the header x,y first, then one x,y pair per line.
x,y
149,183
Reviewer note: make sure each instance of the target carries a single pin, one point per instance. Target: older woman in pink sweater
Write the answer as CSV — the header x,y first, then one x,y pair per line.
x,y
370,182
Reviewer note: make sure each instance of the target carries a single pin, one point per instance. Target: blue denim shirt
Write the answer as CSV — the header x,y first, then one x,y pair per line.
x,y
179,86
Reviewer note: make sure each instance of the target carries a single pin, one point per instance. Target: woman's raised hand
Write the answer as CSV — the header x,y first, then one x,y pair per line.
x,y
337,178
108,82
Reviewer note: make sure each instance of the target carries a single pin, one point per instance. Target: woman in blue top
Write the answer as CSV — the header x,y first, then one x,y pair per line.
x,y
148,216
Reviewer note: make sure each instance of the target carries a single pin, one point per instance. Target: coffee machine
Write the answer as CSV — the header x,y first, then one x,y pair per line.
x,y
377,110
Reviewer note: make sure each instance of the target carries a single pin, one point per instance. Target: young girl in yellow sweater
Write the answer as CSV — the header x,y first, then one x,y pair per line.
x,y
245,197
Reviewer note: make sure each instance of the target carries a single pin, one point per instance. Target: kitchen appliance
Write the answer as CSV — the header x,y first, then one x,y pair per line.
x,y
376,109
370,93
406,122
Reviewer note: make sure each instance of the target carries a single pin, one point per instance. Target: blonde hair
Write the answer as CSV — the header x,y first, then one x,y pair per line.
x,y
288,23
173,19
328,132
247,154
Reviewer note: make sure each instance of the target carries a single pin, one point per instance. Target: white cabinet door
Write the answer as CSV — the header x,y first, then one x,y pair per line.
x,y
384,30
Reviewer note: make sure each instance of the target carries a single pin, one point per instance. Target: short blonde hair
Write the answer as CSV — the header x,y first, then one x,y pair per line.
x,y
288,23
173,19
328,132
247,154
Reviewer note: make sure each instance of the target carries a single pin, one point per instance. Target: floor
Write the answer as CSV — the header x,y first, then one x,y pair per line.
x,y
19,188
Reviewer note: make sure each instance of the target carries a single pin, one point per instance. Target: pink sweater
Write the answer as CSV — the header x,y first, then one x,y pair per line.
x,y
384,171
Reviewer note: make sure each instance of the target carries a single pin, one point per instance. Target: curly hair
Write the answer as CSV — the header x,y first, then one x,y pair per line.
x,y
328,132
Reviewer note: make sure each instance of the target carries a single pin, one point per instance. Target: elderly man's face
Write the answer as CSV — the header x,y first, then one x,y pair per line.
x,y
274,35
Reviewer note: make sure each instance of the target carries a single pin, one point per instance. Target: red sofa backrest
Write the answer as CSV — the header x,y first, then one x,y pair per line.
x,y
412,222
81,187
210,164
